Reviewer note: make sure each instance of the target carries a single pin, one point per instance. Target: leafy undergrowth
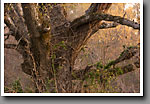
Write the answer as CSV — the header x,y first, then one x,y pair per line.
x,y
97,80
109,80
93,83
16,87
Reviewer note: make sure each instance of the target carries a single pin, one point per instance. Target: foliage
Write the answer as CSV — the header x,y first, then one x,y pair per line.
x,y
99,65
109,64
15,87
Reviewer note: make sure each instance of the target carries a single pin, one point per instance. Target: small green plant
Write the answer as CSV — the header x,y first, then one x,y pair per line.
x,y
126,50
119,71
6,89
130,47
60,44
83,49
53,57
124,46
99,65
16,86
109,64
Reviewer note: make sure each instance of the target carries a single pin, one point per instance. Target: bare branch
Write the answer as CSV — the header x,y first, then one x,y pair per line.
x,y
107,17
15,23
18,9
8,21
92,8
98,7
104,25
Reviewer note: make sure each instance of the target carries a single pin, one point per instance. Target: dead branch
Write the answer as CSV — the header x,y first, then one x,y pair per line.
x,y
107,17
8,21
17,8
98,7
107,25
104,25
15,23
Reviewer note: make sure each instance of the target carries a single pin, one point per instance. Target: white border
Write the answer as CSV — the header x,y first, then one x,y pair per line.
x,y
72,94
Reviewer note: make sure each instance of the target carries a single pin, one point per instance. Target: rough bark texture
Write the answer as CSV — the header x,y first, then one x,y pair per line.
x,y
51,53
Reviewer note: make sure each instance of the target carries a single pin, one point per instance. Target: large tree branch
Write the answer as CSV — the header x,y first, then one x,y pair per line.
x,y
107,17
105,25
8,21
18,9
16,25
14,21
98,7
